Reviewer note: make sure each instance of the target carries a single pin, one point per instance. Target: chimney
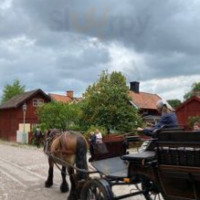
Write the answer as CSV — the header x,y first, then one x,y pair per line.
x,y
134,86
70,94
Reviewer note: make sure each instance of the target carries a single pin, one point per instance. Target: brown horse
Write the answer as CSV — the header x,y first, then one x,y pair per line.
x,y
71,148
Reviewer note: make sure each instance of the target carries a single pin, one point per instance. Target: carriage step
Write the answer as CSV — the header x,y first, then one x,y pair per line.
x,y
147,155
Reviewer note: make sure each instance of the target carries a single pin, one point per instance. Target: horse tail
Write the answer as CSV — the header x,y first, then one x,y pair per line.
x,y
81,157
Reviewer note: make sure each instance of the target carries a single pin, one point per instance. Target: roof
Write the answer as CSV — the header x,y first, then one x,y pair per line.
x,y
18,100
193,98
78,99
143,100
60,98
64,99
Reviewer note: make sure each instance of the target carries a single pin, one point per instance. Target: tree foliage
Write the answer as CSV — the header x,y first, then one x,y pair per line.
x,y
107,104
174,103
192,120
11,90
194,90
59,115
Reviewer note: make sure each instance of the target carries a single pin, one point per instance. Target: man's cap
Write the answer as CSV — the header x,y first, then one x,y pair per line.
x,y
160,103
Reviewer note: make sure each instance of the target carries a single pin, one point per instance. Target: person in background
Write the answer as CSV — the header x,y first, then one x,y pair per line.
x,y
196,126
92,142
38,137
168,117
100,145
98,137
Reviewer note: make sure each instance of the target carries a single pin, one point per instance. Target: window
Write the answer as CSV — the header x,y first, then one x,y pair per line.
x,y
38,102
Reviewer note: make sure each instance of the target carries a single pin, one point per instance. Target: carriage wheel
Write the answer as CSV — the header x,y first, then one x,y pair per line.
x,y
152,192
96,189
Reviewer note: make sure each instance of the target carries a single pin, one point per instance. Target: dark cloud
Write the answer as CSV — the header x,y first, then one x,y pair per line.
x,y
54,69
65,44
147,25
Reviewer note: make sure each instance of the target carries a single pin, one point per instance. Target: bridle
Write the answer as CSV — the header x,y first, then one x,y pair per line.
x,y
49,140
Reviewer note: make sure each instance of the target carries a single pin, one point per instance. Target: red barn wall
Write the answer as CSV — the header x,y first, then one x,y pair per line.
x,y
5,121
11,118
190,109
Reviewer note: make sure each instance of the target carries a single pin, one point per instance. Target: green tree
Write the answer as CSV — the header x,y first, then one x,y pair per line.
x,y
106,104
58,115
11,90
194,90
174,102
192,120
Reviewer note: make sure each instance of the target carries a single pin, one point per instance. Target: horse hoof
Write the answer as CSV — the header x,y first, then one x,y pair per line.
x,y
48,184
64,188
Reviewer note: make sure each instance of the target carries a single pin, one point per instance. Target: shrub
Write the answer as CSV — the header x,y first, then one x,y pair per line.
x,y
192,120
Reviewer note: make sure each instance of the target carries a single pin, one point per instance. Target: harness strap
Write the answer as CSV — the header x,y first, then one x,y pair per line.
x,y
54,158
69,152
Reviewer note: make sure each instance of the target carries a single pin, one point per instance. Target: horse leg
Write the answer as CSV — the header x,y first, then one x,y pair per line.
x,y
64,186
49,181
73,192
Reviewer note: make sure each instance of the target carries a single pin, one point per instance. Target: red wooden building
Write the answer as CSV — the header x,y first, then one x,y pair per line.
x,y
189,108
12,114
144,102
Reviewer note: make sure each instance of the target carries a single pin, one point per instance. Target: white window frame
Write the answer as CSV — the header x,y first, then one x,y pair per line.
x,y
38,102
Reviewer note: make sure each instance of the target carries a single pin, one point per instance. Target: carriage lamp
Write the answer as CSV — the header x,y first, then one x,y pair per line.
x,y
24,108
126,180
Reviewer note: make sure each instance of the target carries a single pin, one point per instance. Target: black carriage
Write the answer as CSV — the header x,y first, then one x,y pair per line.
x,y
169,169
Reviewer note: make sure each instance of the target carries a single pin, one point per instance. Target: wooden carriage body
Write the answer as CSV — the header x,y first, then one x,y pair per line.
x,y
169,171
178,157
115,146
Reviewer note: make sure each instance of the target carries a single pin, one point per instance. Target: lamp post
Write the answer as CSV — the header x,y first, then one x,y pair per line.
x,y
24,108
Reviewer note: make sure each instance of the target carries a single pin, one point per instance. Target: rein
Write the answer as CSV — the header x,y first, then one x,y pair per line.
x,y
55,158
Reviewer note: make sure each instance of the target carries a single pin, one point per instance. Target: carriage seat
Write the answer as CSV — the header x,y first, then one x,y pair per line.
x,y
141,157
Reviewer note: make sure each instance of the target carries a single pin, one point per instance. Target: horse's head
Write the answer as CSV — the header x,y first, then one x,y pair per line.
x,y
54,133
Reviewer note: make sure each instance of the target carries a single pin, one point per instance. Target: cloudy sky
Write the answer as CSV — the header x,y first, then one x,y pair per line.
x,y
60,45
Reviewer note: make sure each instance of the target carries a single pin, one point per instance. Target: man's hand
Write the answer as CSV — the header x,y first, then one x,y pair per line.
x,y
139,129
